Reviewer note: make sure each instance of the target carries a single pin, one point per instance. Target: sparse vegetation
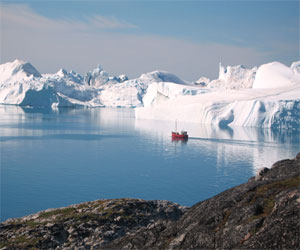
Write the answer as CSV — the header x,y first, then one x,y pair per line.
x,y
61,211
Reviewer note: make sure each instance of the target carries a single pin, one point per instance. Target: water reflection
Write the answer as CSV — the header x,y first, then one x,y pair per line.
x,y
261,147
44,122
182,141
53,158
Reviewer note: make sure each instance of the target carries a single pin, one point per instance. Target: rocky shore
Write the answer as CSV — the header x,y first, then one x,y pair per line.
x,y
263,213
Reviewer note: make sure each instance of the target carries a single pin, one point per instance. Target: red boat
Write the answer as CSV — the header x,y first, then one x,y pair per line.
x,y
179,136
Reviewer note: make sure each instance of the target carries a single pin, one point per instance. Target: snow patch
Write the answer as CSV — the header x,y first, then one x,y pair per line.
x,y
237,77
161,76
202,82
276,75
16,71
163,91
248,108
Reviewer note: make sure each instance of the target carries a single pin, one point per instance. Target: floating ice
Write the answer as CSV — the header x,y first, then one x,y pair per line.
x,y
265,97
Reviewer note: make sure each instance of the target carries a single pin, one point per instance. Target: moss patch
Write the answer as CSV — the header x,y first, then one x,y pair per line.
x,y
61,211
268,193
33,224
223,222
21,242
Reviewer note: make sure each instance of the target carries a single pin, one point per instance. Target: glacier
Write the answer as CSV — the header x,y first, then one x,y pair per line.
x,y
265,96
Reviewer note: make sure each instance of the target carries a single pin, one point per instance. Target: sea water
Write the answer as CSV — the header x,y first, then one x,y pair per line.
x,y
54,158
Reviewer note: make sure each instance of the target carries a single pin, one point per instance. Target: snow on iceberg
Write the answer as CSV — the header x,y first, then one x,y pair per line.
x,y
264,97
124,94
247,108
70,86
202,82
96,77
236,77
44,97
276,75
21,84
159,92
250,107
95,89
71,76
151,87
15,80
161,76
16,71
119,79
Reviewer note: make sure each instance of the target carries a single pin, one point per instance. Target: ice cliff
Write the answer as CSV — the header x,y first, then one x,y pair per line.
x,y
265,97
268,96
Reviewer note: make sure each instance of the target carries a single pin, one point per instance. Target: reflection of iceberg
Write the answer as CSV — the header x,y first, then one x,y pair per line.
x,y
26,122
254,146
225,134
261,147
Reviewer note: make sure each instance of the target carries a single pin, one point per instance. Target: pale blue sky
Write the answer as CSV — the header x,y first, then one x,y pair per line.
x,y
188,38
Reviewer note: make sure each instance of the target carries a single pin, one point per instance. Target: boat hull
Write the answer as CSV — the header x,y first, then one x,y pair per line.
x,y
177,136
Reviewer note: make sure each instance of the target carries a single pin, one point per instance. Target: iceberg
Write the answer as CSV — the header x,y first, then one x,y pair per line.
x,y
96,77
21,84
161,76
276,75
259,101
267,96
159,92
17,71
236,77
202,81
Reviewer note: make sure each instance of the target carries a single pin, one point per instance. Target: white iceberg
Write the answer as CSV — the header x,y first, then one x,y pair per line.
x,y
96,77
17,71
161,76
236,77
202,82
276,75
159,92
265,97
276,107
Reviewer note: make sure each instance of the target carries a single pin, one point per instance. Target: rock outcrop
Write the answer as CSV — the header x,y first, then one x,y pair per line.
x,y
263,213
90,225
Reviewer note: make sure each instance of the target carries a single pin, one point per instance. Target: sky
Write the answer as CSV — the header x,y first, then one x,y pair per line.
x,y
187,38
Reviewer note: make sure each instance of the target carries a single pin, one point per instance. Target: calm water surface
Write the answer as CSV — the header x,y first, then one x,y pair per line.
x,y
57,158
